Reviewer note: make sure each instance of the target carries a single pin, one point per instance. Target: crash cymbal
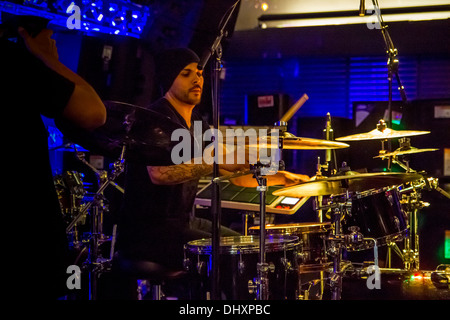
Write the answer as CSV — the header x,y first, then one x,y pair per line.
x,y
291,142
145,133
400,152
376,134
341,184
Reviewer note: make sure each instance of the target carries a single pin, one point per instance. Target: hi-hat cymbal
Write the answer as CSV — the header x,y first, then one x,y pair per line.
x,y
291,142
341,184
376,134
145,133
400,152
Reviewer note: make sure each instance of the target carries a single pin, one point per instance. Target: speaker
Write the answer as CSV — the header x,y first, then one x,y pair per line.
x,y
265,109
434,116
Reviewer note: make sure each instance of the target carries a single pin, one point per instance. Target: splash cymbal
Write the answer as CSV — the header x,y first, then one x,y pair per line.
x,y
400,152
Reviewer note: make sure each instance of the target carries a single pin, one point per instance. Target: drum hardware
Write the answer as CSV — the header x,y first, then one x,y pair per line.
x,y
441,276
215,51
337,241
261,283
95,264
70,190
411,201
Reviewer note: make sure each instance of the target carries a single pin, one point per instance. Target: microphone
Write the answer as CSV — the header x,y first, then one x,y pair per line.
x,y
204,59
362,8
210,51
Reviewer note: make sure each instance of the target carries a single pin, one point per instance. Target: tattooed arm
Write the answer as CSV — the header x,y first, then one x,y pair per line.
x,y
168,175
180,173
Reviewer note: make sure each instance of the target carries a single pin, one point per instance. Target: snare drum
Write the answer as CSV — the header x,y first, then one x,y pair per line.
x,y
312,256
312,237
238,261
379,215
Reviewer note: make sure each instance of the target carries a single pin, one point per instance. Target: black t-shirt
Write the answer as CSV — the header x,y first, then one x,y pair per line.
x,y
35,245
154,216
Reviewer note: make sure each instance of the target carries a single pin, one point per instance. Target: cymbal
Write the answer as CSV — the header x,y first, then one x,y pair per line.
x,y
291,142
387,133
340,184
145,133
400,152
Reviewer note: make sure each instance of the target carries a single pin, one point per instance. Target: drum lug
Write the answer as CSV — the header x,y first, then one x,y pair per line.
x,y
286,264
200,267
186,264
355,237
241,267
302,256
252,285
265,267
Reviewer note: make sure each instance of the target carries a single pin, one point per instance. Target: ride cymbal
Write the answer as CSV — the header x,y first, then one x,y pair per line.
x,y
352,183
146,134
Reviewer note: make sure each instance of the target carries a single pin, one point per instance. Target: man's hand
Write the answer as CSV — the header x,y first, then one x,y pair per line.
x,y
293,178
42,46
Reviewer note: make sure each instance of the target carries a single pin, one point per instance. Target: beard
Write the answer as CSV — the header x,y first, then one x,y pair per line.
x,y
191,98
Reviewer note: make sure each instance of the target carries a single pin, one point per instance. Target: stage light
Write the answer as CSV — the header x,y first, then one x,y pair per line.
x,y
264,6
416,277
104,16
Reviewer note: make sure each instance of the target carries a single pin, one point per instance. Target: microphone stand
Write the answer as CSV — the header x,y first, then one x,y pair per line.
x,y
392,65
216,52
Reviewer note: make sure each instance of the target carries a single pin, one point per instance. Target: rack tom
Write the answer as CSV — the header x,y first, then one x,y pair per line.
x,y
379,215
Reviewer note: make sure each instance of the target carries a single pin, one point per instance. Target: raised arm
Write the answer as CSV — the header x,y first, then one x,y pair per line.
x,y
84,108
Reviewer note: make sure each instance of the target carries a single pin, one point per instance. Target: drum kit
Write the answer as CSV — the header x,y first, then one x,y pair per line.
x,y
272,262
378,209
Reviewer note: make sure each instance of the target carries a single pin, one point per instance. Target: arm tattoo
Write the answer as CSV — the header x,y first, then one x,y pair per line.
x,y
178,173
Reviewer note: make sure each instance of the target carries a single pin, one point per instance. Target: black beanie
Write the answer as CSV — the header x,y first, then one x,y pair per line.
x,y
169,64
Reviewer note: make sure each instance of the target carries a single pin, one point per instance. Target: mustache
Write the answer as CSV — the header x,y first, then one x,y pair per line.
x,y
196,87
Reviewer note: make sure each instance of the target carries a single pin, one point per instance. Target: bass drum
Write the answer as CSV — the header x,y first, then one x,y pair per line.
x,y
238,261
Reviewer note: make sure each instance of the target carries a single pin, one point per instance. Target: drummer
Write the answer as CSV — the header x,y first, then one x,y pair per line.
x,y
158,200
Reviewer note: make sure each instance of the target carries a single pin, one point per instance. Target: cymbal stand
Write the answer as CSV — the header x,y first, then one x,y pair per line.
x,y
95,264
261,283
262,266
412,197
337,241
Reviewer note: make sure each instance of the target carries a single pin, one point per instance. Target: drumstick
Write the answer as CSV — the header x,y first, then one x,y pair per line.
x,y
288,115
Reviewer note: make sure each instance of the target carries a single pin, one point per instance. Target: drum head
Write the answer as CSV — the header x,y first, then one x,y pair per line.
x,y
293,228
242,244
